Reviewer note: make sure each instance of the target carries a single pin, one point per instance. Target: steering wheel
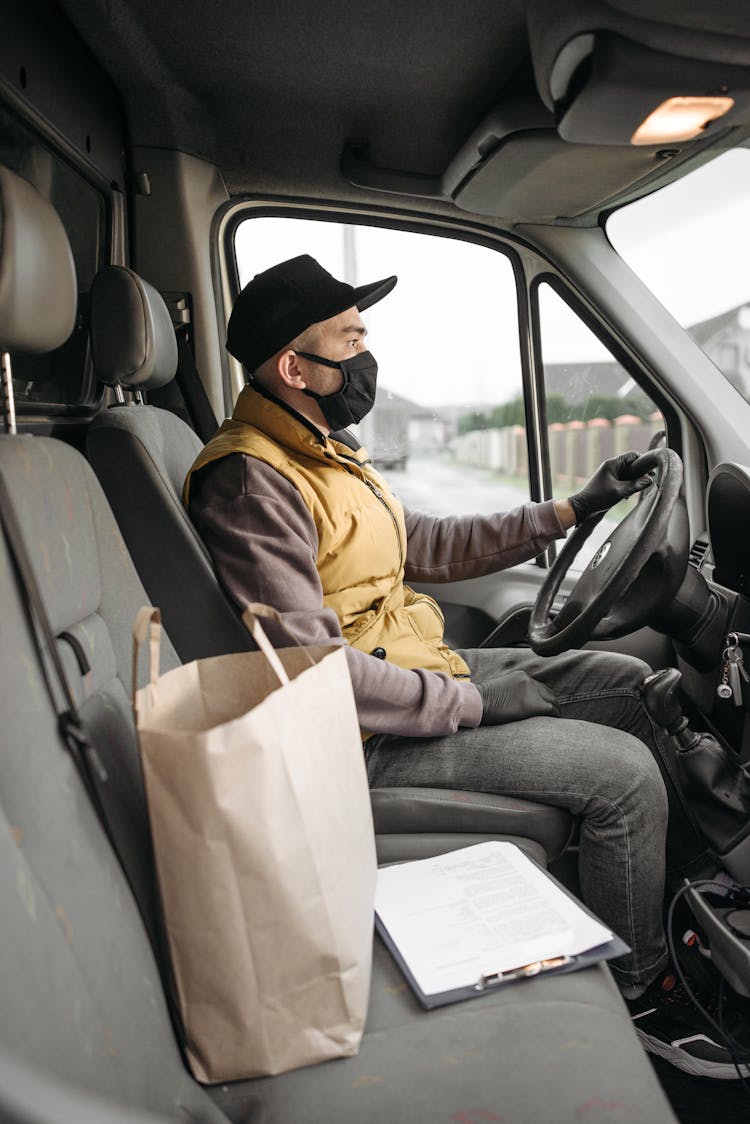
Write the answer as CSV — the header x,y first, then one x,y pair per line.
x,y
632,576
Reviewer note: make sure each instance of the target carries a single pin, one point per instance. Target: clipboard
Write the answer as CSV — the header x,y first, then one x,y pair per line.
x,y
489,983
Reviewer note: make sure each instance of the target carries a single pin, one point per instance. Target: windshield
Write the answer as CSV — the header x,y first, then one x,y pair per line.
x,y
690,243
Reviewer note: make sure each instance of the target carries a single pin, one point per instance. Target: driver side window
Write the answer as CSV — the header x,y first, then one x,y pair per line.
x,y
595,409
448,350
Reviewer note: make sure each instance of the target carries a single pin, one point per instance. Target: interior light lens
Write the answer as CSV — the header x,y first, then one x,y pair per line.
x,y
680,119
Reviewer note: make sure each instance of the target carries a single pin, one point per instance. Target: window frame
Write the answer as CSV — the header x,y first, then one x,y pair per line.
x,y
617,348
243,210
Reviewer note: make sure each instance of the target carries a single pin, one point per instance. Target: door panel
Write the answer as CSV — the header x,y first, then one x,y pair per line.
x,y
493,611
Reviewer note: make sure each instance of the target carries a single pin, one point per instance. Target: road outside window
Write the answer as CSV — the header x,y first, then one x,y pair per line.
x,y
446,429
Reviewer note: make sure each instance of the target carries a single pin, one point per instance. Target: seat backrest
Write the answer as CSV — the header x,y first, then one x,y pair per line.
x,y
141,455
80,990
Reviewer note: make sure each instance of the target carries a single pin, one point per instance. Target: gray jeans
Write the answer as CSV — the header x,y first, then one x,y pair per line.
x,y
601,760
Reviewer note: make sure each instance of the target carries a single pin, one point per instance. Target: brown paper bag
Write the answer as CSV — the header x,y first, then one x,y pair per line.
x,y
265,854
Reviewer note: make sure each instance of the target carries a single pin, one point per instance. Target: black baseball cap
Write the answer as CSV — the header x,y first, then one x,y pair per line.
x,y
280,303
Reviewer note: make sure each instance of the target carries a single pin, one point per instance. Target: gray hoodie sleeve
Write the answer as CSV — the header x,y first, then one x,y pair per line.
x,y
454,547
264,546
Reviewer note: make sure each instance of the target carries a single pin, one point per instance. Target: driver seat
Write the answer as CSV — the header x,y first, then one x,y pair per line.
x,y
141,455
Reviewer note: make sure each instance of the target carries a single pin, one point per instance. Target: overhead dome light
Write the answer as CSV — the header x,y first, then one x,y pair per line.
x,y
680,119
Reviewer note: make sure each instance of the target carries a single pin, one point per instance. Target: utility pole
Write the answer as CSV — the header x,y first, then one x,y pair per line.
x,y
350,253
366,428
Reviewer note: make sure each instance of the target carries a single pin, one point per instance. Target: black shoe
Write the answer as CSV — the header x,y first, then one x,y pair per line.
x,y
668,1024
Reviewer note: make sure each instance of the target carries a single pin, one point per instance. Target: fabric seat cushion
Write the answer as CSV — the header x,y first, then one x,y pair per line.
x,y
555,1050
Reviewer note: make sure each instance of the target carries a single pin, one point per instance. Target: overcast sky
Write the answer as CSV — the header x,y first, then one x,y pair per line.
x,y
448,333
691,242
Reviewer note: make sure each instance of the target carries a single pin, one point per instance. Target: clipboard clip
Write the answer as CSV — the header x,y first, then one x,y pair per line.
x,y
522,972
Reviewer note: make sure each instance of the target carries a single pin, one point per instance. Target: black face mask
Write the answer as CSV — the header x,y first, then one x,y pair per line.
x,y
356,397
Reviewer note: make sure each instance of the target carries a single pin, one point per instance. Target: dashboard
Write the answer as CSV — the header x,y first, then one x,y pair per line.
x,y
728,514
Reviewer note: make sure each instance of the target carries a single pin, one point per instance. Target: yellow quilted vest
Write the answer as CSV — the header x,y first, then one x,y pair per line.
x,y
361,533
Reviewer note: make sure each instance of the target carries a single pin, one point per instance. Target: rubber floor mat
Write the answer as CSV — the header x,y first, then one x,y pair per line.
x,y
701,1100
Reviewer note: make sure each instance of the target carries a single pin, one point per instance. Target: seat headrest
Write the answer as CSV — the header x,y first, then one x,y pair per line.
x,y
38,289
132,338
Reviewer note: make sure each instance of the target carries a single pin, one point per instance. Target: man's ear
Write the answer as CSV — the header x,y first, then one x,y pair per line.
x,y
289,371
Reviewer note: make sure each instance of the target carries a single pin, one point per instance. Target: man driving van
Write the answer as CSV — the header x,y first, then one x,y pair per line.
x,y
295,516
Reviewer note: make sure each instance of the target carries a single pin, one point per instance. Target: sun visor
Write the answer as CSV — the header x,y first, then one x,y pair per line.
x,y
538,177
515,166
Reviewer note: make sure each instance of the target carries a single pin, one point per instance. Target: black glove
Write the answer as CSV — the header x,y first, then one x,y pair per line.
x,y
513,696
609,484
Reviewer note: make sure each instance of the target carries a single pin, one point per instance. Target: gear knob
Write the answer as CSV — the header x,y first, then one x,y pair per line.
x,y
660,693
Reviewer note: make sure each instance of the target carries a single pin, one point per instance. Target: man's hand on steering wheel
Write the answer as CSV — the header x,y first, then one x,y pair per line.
x,y
610,483
638,568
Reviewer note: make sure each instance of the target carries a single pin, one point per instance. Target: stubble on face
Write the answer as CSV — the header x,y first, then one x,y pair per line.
x,y
340,337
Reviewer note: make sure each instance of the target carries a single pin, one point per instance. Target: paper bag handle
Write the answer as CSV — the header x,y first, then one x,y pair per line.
x,y
147,624
252,624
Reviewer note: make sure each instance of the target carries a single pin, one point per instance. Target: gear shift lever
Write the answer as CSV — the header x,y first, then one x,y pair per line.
x,y
717,789
661,698
713,780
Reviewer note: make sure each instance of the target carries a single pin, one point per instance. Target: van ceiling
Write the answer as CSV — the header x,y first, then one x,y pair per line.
x,y
271,90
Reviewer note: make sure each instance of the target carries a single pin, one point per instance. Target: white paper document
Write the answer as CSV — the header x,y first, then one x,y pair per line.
x,y
461,917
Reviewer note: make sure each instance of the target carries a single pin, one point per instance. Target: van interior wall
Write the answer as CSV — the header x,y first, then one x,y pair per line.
x,y
67,135
84,112
170,238
172,249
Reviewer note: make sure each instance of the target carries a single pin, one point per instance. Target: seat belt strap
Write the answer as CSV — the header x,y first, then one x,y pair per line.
x,y
193,391
185,394
70,724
